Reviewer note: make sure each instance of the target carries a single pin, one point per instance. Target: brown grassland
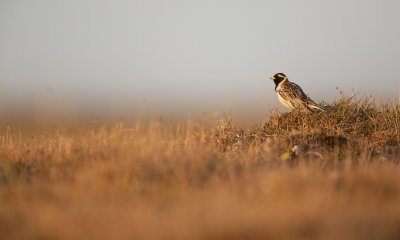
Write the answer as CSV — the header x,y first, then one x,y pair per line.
x,y
328,175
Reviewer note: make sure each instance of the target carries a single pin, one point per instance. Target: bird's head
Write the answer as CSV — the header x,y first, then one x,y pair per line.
x,y
278,78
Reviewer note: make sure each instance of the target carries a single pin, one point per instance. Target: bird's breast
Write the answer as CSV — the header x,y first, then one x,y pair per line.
x,y
284,101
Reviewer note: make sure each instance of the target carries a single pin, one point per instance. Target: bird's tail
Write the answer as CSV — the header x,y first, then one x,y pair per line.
x,y
316,107
313,107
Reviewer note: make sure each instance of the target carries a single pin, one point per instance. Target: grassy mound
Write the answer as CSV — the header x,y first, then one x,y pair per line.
x,y
347,122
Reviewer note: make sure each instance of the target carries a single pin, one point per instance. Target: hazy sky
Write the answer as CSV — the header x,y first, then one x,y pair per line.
x,y
193,56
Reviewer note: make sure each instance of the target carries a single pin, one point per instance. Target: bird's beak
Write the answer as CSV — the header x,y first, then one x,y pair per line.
x,y
272,78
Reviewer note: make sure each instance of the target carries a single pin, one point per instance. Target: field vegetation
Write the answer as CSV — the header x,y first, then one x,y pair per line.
x,y
328,175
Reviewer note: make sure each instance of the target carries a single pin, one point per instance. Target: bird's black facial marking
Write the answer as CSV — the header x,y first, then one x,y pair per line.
x,y
278,78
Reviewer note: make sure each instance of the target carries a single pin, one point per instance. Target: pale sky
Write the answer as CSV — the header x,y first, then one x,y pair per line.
x,y
192,56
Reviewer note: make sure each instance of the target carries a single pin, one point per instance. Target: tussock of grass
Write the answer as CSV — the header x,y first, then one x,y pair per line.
x,y
347,121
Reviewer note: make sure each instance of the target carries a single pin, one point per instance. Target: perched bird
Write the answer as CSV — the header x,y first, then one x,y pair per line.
x,y
292,96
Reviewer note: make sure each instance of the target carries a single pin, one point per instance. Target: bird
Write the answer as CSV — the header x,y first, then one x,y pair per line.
x,y
292,96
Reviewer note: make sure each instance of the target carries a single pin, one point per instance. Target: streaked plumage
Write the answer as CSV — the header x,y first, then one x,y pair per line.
x,y
292,96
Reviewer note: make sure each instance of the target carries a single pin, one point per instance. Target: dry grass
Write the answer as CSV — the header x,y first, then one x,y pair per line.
x,y
199,181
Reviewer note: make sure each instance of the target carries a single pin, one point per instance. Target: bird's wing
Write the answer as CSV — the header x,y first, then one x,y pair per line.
x,y
293,91
295,94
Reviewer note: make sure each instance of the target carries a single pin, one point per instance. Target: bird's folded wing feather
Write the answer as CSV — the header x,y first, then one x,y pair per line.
x,y
294,92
